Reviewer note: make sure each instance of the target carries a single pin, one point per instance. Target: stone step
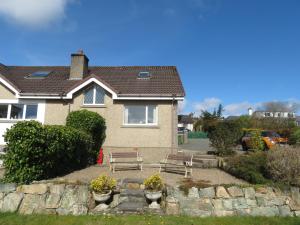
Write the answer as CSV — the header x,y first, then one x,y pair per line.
x,y
132,193
131,207
205,163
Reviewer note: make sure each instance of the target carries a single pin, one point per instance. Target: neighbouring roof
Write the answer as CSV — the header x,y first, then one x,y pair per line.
x,y
185,119
164,81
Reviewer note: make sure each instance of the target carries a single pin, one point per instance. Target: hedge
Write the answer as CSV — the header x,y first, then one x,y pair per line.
x,y
36,152
90,122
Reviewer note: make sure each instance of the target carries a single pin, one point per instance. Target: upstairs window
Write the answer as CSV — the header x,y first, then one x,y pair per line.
x,y
144,75
94,96
39,75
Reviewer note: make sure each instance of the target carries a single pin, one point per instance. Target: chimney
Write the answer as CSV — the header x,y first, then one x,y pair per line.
x,y
79,65
250,111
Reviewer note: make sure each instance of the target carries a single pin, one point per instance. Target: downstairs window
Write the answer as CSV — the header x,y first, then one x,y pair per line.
x,y
140,115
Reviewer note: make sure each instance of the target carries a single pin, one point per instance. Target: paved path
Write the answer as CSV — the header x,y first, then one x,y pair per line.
x,y
197,144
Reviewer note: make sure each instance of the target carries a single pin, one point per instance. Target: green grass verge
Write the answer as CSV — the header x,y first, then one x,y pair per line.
x,y
15,219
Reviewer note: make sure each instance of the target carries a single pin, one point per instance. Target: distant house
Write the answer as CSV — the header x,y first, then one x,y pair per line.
x,y
186,121
266,114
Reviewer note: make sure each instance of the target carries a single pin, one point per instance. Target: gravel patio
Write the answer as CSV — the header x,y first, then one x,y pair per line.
x,y
214,176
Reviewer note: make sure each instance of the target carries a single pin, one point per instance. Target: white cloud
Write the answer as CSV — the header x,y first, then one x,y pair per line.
x,y
237,109
33,13
182,106
206,104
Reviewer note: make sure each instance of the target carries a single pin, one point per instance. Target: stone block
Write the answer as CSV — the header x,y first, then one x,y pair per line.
x,y
193,193
33,189
240,203
7,187
172,206
207,192
265,211
249,192
11,202
218,204
220,213
79,209
221,192
228,204
52,201
57,189
235,191
33,203
285,211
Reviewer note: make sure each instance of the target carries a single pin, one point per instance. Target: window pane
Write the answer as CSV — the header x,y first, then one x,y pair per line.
x,y
16,111
31,112
88,96
3,111
136,114
100,93
151,114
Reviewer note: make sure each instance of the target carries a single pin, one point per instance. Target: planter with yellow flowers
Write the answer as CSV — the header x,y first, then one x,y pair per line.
x,y
102,188
153,190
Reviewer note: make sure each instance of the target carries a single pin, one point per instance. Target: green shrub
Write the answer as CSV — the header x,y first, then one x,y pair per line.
x,y
295,137
225,136
283,165
250,167
256,142
90,122
36,152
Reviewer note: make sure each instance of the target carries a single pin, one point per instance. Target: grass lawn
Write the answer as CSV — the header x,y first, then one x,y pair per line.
x,y
15,219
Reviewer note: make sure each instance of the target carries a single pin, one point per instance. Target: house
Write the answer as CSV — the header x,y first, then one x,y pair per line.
x,y
139,103
298,121
186,121
265,114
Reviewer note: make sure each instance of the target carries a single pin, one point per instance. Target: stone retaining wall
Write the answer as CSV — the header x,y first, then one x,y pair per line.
x,y
76,199
221,201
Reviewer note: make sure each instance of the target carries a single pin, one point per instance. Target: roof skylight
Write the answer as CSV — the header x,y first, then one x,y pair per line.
x,y
144,75
39,74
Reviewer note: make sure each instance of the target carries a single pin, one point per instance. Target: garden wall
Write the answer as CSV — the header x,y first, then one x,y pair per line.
x,y
76,199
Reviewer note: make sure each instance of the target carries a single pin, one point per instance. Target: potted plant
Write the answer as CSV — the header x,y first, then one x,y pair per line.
x,y
102,188
153,190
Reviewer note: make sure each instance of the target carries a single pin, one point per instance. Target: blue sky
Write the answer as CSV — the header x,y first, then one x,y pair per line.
x,y
236,52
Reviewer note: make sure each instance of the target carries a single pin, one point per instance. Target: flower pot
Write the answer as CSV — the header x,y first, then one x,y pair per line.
x,y
102,198
153,196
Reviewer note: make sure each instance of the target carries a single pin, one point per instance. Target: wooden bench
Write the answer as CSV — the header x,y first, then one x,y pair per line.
x,y
177,161
125,158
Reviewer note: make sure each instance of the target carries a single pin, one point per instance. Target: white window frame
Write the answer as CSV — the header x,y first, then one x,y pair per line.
x,y
23,113
94,97
146,115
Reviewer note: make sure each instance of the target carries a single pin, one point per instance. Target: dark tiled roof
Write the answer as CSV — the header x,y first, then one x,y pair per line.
x,y
185,119
164,81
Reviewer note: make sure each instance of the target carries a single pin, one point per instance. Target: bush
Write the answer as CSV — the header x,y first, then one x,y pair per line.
x,y
154,183
256,142
36,152
284,165
90,122
295,137
103,184
225,136
250,167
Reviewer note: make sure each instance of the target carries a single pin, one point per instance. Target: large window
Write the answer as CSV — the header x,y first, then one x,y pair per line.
x,y
140,115
94,96
18,111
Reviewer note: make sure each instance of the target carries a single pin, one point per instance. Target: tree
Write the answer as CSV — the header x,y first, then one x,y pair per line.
x,y
220,110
